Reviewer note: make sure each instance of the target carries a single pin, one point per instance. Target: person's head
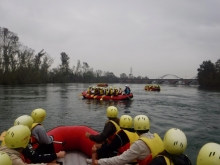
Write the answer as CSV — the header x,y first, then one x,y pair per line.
x,y
125,121
24,120
126,86
175,141
38,115
209,154
112,112
5,159
17,137
141,124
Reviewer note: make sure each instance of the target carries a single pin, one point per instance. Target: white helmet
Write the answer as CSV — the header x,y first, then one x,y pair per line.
x,y
209,154
175,141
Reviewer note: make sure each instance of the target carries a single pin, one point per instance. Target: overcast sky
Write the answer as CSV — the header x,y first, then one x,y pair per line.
x,y
153,37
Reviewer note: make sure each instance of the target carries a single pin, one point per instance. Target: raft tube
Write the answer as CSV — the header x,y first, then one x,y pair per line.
x,y
104,97
72,138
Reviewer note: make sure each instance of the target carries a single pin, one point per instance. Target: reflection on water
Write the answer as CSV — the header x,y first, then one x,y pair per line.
x,y
195,111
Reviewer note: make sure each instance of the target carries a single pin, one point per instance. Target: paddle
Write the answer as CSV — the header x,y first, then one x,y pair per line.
x,y
58,142
128,96
102,97
95,96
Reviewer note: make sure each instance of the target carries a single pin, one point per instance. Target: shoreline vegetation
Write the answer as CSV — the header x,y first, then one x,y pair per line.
x,y
21,65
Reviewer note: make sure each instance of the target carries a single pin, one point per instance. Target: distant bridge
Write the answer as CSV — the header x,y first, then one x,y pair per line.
x,y
161,80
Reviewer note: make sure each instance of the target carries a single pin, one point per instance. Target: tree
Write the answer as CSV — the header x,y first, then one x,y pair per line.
x,y
207,74
64,62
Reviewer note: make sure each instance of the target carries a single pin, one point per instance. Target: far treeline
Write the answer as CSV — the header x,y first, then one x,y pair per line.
x,y
21,65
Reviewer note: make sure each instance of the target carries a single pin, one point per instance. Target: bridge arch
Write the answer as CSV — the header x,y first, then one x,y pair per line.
x,y
169,75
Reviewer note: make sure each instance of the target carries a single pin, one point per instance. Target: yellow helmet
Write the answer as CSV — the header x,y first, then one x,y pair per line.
x,y
5,159
175,141
125,121
112,112
17,136
24,120
141,123
38,115
209,154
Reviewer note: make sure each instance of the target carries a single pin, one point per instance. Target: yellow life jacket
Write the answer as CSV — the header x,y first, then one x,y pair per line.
x,y
168,162
111,91
106,91
101,92
117,129
2,139
132,136
155,145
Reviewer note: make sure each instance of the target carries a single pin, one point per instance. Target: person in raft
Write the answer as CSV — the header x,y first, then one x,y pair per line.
x,y
127,90
209,154
110,129
30,155
16,139
41,142
144,149
5,159
122,141
175,143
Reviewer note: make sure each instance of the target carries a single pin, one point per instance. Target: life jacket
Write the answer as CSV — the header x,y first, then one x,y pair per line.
x,y
132,136
89,91
2,138
116,92
101,91
111,91
155,145
107,91
110,138
33,141
119,91
177,160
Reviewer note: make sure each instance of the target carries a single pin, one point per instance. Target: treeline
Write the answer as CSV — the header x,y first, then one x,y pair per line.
x,y
209,74
21,65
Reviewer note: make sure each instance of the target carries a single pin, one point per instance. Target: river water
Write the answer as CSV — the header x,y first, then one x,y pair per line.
x,y
189,108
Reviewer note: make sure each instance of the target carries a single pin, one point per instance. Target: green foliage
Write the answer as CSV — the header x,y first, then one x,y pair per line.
x,y
209,74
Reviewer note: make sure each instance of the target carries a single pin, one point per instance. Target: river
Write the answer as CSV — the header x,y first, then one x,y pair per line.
x,y
193,110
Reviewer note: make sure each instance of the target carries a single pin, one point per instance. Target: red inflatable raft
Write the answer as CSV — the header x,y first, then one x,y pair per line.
x,y
104,97
102,84
72,138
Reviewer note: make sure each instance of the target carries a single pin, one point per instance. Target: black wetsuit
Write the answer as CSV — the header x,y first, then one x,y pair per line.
x,y
119,140
33,156
176,159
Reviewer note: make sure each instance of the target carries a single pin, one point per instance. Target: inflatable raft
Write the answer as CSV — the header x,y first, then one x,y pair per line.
x,y
72,140
102,84
152,87
104,97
